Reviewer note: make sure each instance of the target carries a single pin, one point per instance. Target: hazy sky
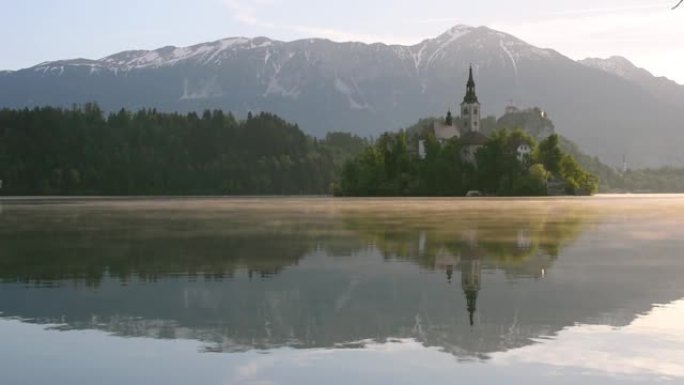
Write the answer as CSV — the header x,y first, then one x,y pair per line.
x,y
645,31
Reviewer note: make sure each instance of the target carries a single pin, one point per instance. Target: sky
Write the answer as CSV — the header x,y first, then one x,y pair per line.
x,y
647,32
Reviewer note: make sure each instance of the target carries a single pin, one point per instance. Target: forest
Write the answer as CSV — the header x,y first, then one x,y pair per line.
x,y
80,151
391,168
84,151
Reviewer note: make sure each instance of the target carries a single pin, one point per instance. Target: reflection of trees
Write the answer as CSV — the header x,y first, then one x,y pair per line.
x,y
512,240
396,272
152,259
518,242
88,246
358,298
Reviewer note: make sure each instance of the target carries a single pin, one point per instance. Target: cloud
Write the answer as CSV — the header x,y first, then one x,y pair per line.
x,y
342,35
248,374
452,20
649,35
636,27
661,6
650,345
246,12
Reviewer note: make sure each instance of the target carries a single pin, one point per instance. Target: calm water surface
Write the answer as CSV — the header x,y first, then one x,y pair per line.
x,y
332,291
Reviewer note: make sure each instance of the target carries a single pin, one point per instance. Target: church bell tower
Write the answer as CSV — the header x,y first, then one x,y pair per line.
x,y
470,108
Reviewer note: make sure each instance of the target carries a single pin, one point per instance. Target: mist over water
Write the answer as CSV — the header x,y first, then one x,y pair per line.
x,y
305,290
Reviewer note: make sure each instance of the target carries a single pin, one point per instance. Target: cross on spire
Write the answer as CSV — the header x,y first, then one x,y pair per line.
x,y
470,96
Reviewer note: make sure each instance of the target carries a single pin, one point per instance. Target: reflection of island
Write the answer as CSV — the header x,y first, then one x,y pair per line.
x,y
328,281
522,246
506,242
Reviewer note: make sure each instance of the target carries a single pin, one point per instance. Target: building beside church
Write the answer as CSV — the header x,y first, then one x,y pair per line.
x,y
522,150
466,129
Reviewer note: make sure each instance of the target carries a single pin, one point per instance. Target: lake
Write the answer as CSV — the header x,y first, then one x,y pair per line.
x,y
342,291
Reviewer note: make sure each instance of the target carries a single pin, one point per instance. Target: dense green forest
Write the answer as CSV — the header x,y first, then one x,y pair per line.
x,y
79,151
391,168
83,151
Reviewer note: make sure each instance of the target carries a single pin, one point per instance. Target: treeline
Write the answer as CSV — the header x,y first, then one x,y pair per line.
x,y
392,167
661,180
658,180
80,151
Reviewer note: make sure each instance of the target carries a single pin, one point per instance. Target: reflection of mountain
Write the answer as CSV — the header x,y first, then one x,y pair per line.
x,y
408,281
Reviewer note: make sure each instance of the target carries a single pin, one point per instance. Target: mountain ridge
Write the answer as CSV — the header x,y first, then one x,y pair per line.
x,y
667,90
245,43
369,88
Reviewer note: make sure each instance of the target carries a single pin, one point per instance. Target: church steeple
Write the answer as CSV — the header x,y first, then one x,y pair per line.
x,y
471,304
471,276
470,96
470,108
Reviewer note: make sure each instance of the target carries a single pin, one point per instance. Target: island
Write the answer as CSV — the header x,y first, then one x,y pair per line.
x,y
453,157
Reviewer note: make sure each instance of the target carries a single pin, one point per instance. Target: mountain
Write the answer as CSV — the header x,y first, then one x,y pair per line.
x,y
668,91
370,88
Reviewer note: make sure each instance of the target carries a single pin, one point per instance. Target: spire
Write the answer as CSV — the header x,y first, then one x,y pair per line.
x,y
470,96
471,300
449,119
471,271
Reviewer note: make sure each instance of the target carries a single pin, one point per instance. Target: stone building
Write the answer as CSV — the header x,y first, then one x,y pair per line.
x,y
466,129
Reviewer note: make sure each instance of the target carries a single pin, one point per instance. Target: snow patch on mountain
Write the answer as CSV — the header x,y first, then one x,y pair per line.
x,y
214,51
342,87
274,86
351,93
418,57
202,53
58,68
448,38
616,65
520,49
510,56
209,88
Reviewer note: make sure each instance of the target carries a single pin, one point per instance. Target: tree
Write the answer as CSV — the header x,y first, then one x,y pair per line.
x,y
533,182
79,152
389,168
550,154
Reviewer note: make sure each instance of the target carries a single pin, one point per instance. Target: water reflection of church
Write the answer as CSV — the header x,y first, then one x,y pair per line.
x,y
469,263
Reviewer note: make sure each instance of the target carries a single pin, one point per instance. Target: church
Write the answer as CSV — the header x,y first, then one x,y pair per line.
x,y
467,130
